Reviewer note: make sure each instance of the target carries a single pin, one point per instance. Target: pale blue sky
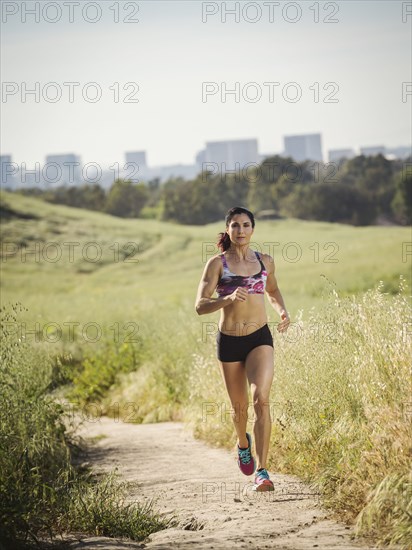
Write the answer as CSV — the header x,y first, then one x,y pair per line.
x,y
170,52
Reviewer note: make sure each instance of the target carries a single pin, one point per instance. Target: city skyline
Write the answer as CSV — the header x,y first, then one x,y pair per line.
x,y
145,154
201,77
216,157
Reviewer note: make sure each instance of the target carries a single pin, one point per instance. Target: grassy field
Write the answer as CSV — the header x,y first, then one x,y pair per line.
x,y
165,263
340,396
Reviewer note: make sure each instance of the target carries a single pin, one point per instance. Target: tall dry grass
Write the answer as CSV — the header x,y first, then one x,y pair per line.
x,y
340,407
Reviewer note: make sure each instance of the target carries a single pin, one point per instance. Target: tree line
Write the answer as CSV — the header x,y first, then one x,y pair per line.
x,y
355,191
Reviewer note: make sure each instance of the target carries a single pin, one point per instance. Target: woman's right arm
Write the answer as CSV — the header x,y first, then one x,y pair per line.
x,y
208,283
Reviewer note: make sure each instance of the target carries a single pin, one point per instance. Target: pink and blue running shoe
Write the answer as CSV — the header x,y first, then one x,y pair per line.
x,y
245,460
262,481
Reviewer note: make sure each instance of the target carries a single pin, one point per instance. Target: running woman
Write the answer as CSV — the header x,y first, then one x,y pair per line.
x,y
240,277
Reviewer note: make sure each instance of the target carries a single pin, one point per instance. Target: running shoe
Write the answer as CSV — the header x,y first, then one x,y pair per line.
x,y
262,481
245,459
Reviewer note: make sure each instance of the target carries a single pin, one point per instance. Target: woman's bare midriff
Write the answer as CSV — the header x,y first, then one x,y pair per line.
x,y
243,318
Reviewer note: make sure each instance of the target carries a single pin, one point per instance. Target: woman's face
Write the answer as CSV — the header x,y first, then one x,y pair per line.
x,y
240,229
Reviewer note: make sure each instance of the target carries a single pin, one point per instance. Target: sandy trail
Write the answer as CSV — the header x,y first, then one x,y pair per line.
x,y
204,488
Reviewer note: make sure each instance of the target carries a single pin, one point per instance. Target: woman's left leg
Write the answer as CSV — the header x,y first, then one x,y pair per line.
x,y
259,371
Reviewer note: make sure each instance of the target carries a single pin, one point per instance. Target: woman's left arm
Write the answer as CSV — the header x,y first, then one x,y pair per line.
x,y
274,294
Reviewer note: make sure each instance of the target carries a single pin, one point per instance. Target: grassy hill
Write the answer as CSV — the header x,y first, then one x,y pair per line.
x,y
74,283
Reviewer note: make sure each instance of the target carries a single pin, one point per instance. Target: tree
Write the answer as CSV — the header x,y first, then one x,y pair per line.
x,y
93,197
374,175
402,201
330,202
126,199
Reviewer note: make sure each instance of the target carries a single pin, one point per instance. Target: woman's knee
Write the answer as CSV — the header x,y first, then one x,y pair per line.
x,y
261,402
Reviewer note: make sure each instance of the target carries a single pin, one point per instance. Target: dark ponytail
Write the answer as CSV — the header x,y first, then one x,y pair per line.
x,y
224,240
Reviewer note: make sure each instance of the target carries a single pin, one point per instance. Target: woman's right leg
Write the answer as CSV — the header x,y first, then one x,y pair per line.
x,y
234,377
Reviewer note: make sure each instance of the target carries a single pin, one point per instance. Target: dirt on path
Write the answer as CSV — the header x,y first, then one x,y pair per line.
x,y
211,498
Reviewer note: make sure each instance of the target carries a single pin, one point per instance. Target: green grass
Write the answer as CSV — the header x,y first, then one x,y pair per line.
x,y
42,495
341,378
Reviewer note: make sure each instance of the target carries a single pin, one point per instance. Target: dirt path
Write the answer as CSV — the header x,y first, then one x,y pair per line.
x,y
204,487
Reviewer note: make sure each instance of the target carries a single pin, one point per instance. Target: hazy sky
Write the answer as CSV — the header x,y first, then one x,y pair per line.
x,y
170,52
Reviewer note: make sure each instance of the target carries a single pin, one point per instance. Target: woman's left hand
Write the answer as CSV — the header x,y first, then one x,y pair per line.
x,y
283,325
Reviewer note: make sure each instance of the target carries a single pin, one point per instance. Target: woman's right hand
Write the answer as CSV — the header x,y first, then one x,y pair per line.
x,y
239,295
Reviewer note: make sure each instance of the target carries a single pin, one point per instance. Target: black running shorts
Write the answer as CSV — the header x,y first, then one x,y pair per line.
x,y
236,348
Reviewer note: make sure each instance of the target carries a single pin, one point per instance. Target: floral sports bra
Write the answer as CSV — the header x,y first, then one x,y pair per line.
x,y
229,281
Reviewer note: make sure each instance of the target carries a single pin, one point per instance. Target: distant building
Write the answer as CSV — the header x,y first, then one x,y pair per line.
x,y
163,173
228,155
373,150
185,171
62,170
144,173
7,179
135,168
336,155
138,157
201,158
304,147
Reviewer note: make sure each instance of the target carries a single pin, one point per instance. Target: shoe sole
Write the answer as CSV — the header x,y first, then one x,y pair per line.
x,y
263,488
